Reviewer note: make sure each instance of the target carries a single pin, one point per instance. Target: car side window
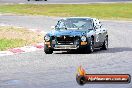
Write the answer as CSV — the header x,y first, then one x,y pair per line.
x,y
97,24
60,24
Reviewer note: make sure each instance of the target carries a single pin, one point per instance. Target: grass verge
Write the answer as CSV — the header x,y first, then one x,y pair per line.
x,y
11,37
102,11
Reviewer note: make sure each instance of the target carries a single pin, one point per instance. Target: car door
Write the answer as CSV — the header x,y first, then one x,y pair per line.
x,y
99,36
103,32
98,33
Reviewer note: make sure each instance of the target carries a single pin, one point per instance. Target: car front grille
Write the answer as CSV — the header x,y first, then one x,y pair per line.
x,y
65,40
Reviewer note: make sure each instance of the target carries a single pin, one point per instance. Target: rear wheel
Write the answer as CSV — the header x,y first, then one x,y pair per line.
x,y
47,50
105,44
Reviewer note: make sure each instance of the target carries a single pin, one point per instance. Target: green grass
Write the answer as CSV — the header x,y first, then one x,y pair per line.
x,y
102,11
11,43
11,37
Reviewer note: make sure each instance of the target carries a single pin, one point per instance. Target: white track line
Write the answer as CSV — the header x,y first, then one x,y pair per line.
x,y
23,49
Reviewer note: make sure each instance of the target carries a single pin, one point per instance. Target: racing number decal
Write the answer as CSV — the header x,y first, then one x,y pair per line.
x,y
97,38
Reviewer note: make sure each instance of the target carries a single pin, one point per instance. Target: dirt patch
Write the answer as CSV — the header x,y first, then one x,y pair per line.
x,y
13,33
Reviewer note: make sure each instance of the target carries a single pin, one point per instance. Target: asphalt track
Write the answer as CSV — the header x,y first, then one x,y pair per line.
x,y
63,1
38,70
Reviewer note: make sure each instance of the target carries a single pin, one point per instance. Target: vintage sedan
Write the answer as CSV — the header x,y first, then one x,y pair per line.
x,y
76,33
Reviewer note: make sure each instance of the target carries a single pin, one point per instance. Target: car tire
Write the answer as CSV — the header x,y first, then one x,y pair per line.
x,y
90,47
28,0
105,44
47,50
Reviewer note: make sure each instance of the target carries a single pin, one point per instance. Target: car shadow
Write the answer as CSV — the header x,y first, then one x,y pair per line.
x,y
75,52
110,50
116,50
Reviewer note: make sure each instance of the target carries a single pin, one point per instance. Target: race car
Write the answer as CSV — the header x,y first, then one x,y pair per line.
x,y
76,33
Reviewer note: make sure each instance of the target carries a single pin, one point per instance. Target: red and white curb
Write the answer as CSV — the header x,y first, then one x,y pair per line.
x,y
24,49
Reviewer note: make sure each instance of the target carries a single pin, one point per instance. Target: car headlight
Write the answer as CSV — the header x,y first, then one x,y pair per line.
x,y
83,38
47,38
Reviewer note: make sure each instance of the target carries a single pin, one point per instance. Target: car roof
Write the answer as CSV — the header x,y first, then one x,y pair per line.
x,y
78,18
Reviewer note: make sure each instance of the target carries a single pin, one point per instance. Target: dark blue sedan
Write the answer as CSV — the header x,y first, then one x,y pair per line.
x,y
76,33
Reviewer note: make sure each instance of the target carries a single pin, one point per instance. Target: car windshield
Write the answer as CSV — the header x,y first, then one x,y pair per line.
x,y
75,23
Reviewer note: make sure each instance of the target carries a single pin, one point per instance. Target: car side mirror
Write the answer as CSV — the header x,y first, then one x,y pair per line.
x,y
52,27
63,27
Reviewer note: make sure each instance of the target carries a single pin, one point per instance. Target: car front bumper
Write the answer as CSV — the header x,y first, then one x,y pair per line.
x,y
66,47
58,47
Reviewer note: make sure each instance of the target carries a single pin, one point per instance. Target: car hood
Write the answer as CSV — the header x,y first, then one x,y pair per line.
x,y
67,32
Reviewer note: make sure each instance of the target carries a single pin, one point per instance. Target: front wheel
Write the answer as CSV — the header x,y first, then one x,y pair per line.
x,y
105,44
47,50
90,47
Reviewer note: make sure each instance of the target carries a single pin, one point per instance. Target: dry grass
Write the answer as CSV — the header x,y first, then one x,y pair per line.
x,y
18,37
